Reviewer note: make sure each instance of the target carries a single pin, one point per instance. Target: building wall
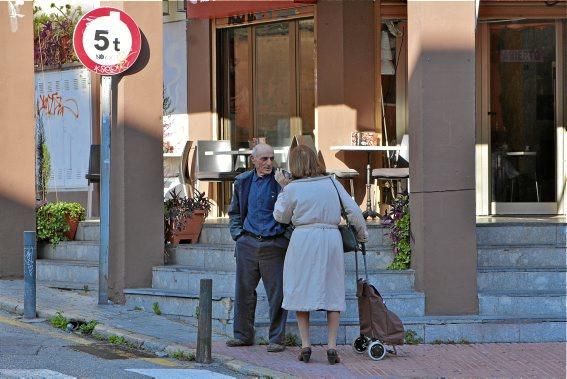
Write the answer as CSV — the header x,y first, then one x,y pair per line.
x,y
344,81
136,234
17,144
441,53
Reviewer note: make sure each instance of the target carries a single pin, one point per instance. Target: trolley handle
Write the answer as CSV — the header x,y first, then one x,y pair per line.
x,y
363,249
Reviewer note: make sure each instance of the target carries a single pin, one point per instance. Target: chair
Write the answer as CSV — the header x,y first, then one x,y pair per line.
x,y
185,170
345,173
399,165
92,176
214,168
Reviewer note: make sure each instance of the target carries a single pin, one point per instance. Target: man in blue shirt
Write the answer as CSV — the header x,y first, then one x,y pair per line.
x,y
260,249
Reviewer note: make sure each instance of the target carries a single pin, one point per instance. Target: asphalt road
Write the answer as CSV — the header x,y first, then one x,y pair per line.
x,y
40,351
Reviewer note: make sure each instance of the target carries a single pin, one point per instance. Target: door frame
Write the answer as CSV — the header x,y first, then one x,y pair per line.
x,y
484,203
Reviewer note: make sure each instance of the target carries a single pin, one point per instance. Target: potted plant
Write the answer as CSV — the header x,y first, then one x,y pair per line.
x,y
58,221
184,216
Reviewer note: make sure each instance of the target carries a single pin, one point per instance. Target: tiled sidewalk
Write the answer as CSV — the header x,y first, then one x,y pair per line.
x,y
541,360
158,333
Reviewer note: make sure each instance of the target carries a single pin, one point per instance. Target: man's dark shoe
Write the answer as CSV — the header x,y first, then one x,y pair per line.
x,y
236,342
275,348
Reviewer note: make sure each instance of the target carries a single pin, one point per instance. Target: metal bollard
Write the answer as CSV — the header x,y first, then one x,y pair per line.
x,y
30,256
204,331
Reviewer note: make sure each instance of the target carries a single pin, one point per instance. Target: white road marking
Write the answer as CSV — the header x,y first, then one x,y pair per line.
x,y
33,374
179,373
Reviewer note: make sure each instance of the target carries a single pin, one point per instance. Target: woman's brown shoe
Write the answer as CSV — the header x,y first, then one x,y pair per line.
x,y
333,356
305,354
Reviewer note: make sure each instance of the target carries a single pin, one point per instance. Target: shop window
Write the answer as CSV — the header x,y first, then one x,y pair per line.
x,y
394,80
265,82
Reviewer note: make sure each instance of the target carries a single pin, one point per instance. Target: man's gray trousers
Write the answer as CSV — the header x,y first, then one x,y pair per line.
x,y
257,259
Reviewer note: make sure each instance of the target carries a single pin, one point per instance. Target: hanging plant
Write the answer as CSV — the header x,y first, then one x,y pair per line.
x,y
398,219
53,35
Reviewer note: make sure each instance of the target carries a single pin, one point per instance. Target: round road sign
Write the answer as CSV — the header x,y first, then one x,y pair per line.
x,y
107,41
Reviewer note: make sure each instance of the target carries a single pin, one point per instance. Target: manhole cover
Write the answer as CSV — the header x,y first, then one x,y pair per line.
x,y
109,351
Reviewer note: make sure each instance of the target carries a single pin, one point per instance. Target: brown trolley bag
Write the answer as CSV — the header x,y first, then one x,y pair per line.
x,y
378,325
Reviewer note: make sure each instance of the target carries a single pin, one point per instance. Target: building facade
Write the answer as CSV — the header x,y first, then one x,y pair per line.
x,y
480,87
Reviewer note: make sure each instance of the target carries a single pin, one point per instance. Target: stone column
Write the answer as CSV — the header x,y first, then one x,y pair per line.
x,y
441,98
17,141
136,204
345,82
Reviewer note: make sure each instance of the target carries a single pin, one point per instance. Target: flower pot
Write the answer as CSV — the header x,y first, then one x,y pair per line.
x,y
191,230
73,225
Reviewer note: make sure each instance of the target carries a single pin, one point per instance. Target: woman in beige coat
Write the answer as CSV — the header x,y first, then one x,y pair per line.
x,y
314,275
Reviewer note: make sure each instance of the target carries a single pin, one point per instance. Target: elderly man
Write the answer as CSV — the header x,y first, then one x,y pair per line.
x,y
260,249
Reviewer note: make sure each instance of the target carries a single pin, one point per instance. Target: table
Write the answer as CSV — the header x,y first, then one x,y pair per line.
x,y
369,212
526,153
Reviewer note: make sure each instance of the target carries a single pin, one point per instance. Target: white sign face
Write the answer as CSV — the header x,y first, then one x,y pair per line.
x,y
107,40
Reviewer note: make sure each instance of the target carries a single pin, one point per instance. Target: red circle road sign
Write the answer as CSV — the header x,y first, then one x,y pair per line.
x,y
107,41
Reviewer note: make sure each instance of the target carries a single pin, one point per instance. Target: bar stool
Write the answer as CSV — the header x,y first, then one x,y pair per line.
x,y
345,174
395,173
92,176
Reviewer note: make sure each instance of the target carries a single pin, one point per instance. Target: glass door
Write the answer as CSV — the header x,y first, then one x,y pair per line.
x,y
522,117
266,81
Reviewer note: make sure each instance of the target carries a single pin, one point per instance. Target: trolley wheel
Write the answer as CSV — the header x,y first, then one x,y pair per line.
x,y
360,344
376,351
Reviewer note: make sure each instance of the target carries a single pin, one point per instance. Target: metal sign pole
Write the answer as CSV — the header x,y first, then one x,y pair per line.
x,y
106,126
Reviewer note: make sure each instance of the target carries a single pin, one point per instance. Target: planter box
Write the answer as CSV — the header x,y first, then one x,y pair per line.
x,y
191,230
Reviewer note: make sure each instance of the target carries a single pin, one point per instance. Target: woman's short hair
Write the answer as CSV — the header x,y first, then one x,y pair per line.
x,y
303,162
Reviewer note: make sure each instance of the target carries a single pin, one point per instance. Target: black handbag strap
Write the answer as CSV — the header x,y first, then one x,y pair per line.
x,y
343,211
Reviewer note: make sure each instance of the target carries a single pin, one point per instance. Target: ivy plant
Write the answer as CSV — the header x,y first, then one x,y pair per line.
x,y
53,35
398,219
52,220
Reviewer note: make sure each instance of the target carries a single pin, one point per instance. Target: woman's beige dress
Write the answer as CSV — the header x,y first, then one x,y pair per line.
x,y
314,274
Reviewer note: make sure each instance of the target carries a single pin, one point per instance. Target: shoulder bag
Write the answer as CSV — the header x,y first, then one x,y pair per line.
x,y
348,234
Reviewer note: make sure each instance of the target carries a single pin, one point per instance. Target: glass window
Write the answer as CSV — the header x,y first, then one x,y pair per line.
x,y
266,83
522,114
272,96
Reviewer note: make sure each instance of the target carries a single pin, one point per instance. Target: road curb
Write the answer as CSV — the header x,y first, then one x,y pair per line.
x,y
148,343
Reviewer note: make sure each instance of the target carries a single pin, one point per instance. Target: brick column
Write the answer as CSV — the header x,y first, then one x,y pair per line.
x,y
17,141
441,98
136,208
345,82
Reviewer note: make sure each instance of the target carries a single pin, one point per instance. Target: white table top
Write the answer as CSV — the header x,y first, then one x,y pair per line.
x,y
364,148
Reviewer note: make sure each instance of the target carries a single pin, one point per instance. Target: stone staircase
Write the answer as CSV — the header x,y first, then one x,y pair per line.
x,y
175,287
522,268
522,271
71,264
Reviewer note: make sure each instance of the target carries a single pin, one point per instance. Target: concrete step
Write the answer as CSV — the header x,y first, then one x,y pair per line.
x,y
186,278
216,231
521,279
221,257
185,304
449,329
521,304
431,329
68,274
70,251
522,256
88,230
521,233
